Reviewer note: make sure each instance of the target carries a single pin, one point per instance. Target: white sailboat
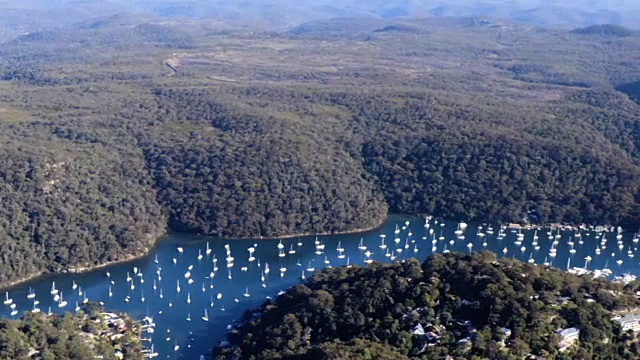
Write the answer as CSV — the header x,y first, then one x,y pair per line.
x,y
31,294
54,291
61,302
208,250
8,300
361,245
205,318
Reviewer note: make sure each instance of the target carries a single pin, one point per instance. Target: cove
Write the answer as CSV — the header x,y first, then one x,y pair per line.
x,y
149,286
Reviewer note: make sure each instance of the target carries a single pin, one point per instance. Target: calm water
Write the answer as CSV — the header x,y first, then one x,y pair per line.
x,y
234,289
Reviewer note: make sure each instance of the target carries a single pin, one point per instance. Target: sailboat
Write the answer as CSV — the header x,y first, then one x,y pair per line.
x,y
110,292
208,250
61,303
292,250
205,318
382,244
339,248
74,286
188,298
246,292
8,300
188,316
199,254
31,294
54,291
361,245
178,286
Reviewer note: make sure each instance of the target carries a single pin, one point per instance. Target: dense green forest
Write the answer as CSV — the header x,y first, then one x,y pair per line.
x,y
461,305
119,129
76,336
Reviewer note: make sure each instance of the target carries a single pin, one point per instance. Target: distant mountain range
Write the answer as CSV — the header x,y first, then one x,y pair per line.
x,y
31,15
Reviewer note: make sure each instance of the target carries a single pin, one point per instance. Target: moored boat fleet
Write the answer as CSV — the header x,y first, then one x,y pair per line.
x,y
198,283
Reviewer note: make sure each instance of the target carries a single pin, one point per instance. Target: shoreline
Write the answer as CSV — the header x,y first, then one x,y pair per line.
x,y
156,239
88,268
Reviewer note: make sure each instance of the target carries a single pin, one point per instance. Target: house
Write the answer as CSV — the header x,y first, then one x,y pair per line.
x,y
568,337
629,322
563,300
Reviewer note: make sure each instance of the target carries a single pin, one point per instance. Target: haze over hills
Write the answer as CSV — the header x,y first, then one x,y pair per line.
x,y
17,17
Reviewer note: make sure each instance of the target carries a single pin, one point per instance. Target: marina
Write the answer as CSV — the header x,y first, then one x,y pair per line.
x,y
193,288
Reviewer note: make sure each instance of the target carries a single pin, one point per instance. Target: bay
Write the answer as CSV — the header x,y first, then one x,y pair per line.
x,y
237,288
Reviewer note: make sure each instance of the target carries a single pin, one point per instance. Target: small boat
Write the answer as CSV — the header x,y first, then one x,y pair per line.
x,y
208,250
280,245
8,300
180,250
110,292
74,286
188,298
61,303
199,254
31,294
205,318
188,316
361,245
246,292
54,291
177,285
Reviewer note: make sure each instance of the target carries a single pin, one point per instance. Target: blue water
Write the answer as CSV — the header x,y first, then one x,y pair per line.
x,y
197,336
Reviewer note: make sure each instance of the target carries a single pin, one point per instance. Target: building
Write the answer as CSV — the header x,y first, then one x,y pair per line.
x,y
629,322
568,337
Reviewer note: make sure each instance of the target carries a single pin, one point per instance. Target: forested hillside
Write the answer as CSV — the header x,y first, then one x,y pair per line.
x,y
464,306
116,130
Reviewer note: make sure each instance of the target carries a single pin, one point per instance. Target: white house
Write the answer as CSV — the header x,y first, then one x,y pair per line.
x,y
629,322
